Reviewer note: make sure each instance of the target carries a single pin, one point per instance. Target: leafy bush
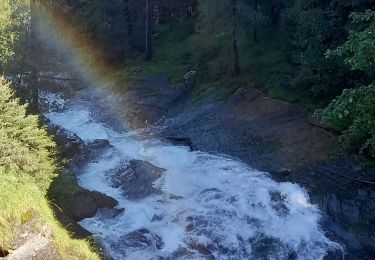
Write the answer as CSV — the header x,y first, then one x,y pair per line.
x,y
354,113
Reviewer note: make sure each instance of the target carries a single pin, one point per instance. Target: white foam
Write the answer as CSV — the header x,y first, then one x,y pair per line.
x,y
53,101
230,207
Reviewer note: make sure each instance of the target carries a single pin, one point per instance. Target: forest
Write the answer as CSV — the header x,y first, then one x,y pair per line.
x,y
317,54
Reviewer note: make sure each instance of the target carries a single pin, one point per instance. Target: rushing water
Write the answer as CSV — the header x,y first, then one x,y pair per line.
x,y
209,203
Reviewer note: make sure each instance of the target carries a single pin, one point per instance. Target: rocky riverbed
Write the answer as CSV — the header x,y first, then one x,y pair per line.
x,y
120,138
271,135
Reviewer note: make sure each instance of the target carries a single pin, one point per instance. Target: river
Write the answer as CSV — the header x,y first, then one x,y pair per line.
x,y
208,206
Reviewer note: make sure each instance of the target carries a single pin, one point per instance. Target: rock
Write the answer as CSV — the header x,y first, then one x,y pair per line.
x,y
99,144
349,205
85,204
251,127
30,243
70,146
156,218
146,100
111,213
181,142
76,230
285,172
190,78
136,179
141,239
175,197
201,249
69,143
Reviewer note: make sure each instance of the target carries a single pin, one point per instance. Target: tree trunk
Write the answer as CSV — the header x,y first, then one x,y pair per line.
x,y
148,45
129,26
275,14
236,59
255,36
33,84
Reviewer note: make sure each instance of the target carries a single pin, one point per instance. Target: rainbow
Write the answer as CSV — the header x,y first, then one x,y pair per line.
x,y
58,28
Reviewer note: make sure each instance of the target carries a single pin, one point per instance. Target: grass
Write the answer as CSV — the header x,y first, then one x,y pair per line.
x,y
22,202
64,186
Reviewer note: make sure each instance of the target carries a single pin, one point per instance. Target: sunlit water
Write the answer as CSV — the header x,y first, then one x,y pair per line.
x,y
224,205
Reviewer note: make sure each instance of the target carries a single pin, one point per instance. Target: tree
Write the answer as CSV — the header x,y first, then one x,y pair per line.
x,y
14,19
33,83
313,27
25,148
236,58
353,111
27,167
148,30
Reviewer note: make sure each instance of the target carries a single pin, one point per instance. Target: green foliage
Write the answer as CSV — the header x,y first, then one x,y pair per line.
x,y
354,111
24,147
63,186
26,171
311,29
14,20
359,49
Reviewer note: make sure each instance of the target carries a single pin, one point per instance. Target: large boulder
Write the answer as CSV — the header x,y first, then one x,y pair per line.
x,y
140,239
73,203
136,179
85,204
70,146
190,78
99,144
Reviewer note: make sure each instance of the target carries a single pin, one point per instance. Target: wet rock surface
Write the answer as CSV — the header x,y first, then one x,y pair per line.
x,y
141,239
269,134
75,153
136,179
85,204
71,148
181,142
145,100
99,144
347,201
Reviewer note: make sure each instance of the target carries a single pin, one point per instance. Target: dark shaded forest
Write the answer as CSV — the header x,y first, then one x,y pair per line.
x,y
316,53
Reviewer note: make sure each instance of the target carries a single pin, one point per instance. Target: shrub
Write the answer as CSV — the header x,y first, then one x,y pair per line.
x,y
354,113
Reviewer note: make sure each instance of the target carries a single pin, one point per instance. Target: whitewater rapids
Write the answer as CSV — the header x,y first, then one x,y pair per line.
x,y
211,206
